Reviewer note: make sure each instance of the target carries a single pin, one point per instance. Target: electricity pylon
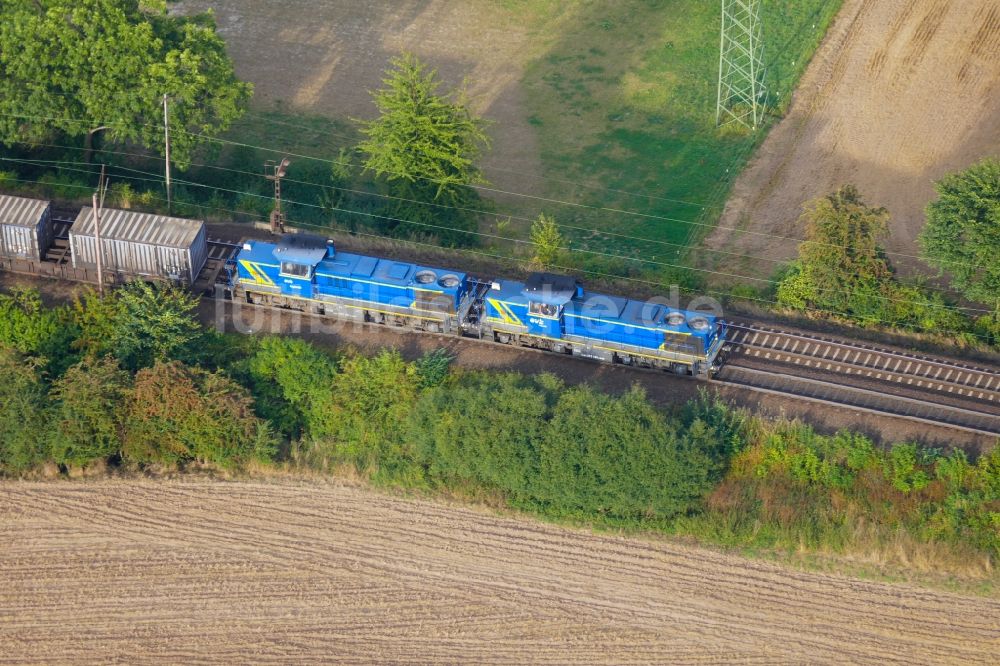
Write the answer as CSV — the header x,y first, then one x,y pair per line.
x,y
741,65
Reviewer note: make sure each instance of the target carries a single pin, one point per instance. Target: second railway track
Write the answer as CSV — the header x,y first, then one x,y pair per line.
x,y
863,377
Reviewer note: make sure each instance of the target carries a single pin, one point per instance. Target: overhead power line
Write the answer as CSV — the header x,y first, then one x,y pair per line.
x,y
380,195
653,216
525,242
506,258
561,225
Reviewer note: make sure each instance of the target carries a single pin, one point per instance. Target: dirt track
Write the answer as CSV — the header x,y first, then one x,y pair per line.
x,y
198,571
900,93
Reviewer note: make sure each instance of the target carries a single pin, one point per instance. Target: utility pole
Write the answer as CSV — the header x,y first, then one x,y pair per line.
x,y
276,171
99,251
166,141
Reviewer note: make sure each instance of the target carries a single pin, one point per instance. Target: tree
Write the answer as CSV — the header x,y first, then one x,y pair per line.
x,y
141,323
962,236
292,381
178,413
842,270
482,428
840,267
617,457
84,66
371,399
424,146
547,239
90,400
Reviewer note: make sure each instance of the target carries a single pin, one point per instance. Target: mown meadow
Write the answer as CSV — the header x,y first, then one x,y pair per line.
x,y
624,102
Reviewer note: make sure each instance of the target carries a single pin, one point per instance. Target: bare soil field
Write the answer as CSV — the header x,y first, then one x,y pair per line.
x,y
325,57
208,572
900,93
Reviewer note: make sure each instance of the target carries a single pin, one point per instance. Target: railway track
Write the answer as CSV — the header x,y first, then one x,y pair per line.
x,y
833,372
863,377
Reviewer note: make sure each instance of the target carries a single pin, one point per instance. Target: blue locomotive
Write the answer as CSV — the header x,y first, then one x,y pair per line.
x,y
551,312
306,273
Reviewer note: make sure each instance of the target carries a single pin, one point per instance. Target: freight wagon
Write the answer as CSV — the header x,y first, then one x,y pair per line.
x,y
25,228
140,244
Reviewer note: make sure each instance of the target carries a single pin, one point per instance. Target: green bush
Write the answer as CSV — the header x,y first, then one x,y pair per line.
x,y
483,429
292,382
178,414
141,323
372,398
792,484
59,186
89,405
617,457
23,413
29,327
562,451
432,368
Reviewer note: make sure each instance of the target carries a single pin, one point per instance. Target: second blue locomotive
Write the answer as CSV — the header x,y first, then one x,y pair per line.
x,y
548,311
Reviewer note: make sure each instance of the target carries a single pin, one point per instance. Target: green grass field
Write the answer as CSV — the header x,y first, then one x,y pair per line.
x,y
625,100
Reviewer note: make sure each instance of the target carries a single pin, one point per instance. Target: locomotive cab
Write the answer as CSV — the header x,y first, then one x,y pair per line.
x,y
297,256
547,295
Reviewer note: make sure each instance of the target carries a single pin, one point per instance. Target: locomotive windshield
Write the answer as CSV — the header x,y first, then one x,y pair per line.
x,y
295,270
543,309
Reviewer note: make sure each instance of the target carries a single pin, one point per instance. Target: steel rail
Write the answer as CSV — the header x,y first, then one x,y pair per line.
x,y
945,363
980,423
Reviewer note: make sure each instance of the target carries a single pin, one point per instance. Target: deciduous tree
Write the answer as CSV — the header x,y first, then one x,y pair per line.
x,y
962,236
83,66
29,327
617,457
23,413
178,413
293,383
841,269
89,410
840,266
141,323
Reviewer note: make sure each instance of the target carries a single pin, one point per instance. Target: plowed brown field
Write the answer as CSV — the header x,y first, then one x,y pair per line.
x,y
900,93
207,572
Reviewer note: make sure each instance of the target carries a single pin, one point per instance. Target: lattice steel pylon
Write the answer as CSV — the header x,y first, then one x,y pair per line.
x,y
741,65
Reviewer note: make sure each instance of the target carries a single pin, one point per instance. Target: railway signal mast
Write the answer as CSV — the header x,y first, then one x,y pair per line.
x,y
276,171
741,65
